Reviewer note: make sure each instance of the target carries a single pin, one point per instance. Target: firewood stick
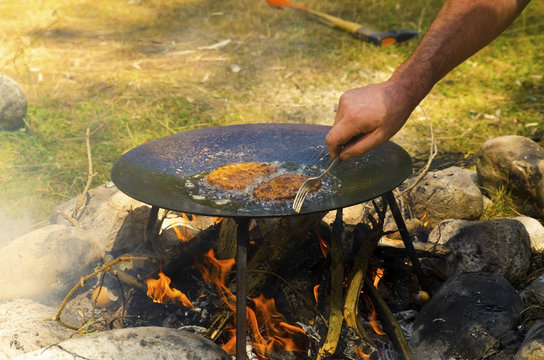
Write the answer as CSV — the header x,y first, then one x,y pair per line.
x,y
106,267
130,280
435,249
279,233
336,318
360,265
389,323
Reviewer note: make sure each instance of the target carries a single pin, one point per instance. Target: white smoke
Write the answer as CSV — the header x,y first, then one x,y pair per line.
x,y
13,226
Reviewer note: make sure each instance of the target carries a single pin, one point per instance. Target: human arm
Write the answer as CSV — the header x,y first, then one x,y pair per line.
x,y
461,28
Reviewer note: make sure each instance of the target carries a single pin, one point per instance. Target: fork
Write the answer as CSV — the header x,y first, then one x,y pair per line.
x,y
309,184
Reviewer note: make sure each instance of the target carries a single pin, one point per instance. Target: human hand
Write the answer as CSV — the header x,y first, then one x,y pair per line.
x,y
378,111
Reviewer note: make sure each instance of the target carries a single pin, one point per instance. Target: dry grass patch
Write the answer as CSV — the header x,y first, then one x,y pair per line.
x,y
144,69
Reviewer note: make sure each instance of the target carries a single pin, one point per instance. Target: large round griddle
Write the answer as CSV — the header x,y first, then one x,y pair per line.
x,y
155,172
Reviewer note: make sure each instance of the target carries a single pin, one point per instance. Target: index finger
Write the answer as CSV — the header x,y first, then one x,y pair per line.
x,y
339,135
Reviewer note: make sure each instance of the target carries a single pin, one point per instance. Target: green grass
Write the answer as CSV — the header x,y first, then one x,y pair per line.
x,y
102,69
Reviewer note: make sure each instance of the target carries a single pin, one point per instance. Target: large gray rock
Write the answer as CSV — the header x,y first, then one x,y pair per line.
x,y
23,329
533,345
117,222
446,194
499,246
151,342
465,318
45,264
13,104
514,163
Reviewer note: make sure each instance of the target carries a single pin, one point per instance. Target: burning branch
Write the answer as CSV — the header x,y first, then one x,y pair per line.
x,y
335,302
357,275
354,289
389,323
106,267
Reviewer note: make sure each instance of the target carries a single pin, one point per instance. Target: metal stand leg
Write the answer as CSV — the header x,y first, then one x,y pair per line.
x,y
241,286
338,225
407,240
151,230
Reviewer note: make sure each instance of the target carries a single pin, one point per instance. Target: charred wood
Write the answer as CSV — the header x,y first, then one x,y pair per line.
x,y
389,323
336,295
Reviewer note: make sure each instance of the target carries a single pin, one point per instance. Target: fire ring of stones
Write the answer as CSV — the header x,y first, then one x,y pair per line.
x,y
123,300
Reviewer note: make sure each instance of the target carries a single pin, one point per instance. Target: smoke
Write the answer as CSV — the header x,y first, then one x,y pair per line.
x,y
12,226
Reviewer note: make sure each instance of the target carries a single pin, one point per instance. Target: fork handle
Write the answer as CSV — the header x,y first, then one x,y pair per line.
x,y
351,141
335,162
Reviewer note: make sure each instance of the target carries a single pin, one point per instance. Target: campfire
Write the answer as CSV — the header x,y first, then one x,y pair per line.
x,y
341,284
309,296
265,249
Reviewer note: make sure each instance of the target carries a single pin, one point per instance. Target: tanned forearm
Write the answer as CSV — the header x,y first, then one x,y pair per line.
x,y
461,28
379,111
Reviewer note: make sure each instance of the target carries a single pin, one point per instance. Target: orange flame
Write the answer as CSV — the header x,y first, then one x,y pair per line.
x,y
378,277
374,315
183,234
230,345
159,290
280,334
425,223
361,353
374,320
316,293
215,271
323,245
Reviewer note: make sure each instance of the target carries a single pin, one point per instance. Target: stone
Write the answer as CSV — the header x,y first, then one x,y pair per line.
x,y
446,194
116,221
536,232
499,246
516,164
535,229
23,329
133,343
13,104
45,264
532,347
465,317
533,293
351,215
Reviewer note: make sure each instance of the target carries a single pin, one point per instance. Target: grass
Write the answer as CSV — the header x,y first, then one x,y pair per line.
x,y
138,70
502,205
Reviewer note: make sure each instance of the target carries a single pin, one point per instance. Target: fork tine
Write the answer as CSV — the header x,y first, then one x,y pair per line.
x,y
301,195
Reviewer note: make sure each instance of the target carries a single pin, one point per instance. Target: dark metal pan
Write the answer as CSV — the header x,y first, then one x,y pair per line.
x,y
156,172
